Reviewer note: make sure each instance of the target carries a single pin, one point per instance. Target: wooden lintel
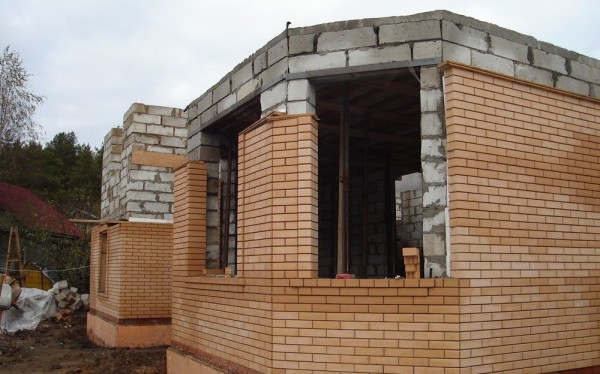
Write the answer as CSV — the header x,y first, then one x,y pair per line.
x,y
158,159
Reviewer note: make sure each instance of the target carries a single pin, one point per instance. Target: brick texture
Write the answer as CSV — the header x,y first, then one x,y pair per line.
x,y
138,273
189,219
524,218
277,198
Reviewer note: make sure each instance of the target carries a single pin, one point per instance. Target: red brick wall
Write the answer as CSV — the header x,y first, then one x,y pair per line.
x,y
525,223
278,198
523,178
138,270
189,217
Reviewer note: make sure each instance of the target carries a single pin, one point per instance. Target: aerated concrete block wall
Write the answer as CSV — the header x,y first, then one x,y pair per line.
x,y
131,190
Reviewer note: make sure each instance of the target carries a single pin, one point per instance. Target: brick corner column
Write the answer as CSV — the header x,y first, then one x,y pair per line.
x,y
189,219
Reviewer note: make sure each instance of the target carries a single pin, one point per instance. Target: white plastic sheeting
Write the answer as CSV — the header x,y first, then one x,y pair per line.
x,y
34,306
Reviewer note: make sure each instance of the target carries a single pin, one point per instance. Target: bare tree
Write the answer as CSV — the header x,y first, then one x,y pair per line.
x,y
17,102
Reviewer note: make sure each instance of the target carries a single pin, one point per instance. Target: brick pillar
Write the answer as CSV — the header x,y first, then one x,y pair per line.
x,y
278,198
189,219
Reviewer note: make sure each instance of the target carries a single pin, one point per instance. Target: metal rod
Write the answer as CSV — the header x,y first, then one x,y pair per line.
x,y
365,201
343,178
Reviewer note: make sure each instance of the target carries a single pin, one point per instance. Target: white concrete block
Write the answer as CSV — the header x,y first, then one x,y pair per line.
x,y
277,52
409,31
274,73
163,110
585,72
260,63
157,207
140,196
434,244
430,77
134,127
346,39
573,85
273,96
456,53
549,61
146,118
317,62
434,196
248,88
208,114
434,172
205,102
172,141
533,74
227,102
159,130
430,49
301,89
181,132
464,35
159,149
433,148
300,107
431,125
241,76
438,220
493,63
221,91
141,175
174,121
158,187
508,49
431,100
301,43
380,55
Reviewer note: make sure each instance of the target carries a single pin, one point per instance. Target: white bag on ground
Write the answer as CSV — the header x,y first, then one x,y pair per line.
x,y
34,306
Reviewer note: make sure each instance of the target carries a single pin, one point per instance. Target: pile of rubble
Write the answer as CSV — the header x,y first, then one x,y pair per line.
x,y
69,301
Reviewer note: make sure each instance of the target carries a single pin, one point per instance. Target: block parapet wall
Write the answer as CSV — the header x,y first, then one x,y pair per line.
x,y
132,190
437,35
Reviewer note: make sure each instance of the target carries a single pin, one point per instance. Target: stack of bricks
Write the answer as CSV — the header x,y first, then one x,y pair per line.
x,y
69,301
143,191
412,263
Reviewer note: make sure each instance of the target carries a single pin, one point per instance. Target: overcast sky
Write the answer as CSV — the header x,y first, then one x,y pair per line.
x,y
92,59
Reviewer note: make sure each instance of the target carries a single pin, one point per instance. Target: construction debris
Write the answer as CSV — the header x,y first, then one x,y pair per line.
x,y
69,301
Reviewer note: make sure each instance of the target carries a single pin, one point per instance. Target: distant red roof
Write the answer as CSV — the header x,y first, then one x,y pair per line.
x,y
33,212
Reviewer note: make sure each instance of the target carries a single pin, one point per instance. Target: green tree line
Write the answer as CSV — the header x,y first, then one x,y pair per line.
x,y
65,174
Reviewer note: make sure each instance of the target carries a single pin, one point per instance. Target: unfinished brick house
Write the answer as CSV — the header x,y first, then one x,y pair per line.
x,y
340,148
504,132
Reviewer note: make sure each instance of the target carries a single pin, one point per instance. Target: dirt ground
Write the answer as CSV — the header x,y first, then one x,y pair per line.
x,y
64,348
